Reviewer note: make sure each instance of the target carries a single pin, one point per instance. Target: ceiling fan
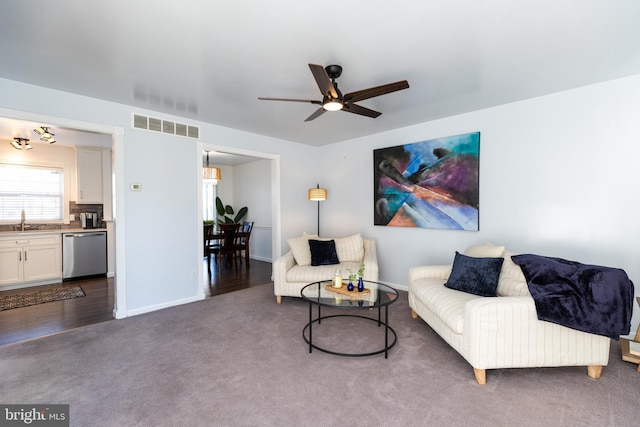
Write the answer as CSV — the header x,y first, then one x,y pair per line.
x,y
334,100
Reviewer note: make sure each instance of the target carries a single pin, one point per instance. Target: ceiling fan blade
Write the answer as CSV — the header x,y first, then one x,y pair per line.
x,y
311,101
323,80
320,111
363,94
359,109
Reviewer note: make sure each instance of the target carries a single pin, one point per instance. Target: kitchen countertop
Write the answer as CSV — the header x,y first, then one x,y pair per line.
x,y
56,231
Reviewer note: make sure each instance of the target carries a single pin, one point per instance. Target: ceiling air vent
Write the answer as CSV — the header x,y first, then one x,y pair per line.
x,y
165,126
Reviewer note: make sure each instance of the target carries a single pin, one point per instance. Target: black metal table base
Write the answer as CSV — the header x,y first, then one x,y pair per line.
x,y
385,349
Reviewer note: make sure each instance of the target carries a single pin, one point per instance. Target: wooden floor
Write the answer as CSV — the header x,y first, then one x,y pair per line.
x,y
20,324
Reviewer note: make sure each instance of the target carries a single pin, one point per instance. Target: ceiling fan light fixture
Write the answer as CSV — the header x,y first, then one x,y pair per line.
x,y
333,105
332,98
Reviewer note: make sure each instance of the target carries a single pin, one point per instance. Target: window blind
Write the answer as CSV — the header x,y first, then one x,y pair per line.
x,y
39,191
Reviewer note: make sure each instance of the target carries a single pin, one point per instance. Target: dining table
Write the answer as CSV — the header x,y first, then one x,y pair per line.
x,y
215,232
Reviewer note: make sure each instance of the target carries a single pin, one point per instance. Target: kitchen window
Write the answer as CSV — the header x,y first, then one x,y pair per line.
x,y
39,191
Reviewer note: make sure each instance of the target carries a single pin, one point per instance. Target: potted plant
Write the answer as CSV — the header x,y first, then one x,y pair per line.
x,y
352,278
360,274
223,211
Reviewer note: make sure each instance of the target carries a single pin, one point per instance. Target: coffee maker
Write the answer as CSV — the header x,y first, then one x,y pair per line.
x,y
88,219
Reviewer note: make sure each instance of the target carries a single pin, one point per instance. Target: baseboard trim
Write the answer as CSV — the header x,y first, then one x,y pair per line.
x,y
157,307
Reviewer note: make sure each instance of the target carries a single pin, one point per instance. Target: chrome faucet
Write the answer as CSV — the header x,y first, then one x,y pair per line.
x,y
22,220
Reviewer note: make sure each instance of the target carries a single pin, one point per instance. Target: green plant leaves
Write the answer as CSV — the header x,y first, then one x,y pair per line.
x,y
241,213
223,211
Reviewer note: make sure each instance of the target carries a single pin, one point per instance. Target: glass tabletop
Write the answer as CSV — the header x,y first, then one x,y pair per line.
x,y
374,295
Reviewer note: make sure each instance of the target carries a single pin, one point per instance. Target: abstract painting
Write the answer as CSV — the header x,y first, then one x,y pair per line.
x,y
428,184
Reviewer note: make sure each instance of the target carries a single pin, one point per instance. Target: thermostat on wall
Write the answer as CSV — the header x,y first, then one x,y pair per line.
x,y
136,187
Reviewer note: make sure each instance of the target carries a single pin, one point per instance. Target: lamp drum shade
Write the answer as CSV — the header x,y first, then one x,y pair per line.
x,y
212,173
317,194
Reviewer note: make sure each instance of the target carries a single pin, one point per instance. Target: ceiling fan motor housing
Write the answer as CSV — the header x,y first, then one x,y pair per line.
x,y
333,71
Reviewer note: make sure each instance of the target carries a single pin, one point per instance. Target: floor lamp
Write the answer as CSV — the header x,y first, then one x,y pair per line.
x,y
318,195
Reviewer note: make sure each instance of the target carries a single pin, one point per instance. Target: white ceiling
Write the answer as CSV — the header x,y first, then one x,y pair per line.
x,y
210,60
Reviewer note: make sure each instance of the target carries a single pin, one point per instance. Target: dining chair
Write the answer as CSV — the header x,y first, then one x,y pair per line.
x,y
243,241
211,244
225,250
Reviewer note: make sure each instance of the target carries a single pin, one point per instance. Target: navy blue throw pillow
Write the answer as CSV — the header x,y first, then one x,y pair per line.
x,y
323,252
478,276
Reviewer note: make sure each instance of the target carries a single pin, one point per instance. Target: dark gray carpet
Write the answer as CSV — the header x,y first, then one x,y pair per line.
x,y
239,360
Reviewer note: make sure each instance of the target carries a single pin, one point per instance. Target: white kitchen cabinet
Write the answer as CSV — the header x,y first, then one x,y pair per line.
x,y
30,259
89,176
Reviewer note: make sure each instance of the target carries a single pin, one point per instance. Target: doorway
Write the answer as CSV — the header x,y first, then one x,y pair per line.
x,y
114,143
266,210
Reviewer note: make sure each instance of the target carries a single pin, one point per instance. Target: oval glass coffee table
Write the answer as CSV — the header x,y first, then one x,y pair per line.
x,y
375,295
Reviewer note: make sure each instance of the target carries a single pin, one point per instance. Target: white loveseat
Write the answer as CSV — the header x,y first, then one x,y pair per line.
x,y
502,331
293,270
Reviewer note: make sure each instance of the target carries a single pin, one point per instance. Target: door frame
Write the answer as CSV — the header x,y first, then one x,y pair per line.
x,y
117,190
275,200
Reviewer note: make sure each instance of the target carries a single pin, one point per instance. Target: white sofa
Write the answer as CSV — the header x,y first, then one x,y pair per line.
x,y
502,331
293,271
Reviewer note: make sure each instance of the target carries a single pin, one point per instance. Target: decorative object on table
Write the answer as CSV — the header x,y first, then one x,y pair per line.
x,y
317,195
428,184
360,274
346,291
224,210
337,279
26,299
352,278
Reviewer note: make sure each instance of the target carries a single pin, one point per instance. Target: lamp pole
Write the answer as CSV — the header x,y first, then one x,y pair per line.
x,y
317,194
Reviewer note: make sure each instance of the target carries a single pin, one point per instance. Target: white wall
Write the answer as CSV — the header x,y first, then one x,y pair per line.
x,y
253,190
558,177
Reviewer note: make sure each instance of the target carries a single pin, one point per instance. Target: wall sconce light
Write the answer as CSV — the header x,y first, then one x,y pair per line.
x,y
21,144
317,195
45,134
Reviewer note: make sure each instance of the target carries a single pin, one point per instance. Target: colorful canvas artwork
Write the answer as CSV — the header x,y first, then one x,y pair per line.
x,y
428,184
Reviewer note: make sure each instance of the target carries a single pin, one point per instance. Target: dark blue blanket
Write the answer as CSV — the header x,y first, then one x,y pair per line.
x,y
588,298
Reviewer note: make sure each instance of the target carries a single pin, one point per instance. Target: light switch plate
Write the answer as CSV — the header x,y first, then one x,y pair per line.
x,y
136,187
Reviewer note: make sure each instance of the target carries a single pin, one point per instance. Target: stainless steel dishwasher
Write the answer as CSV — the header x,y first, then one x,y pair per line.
x,y
84,254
